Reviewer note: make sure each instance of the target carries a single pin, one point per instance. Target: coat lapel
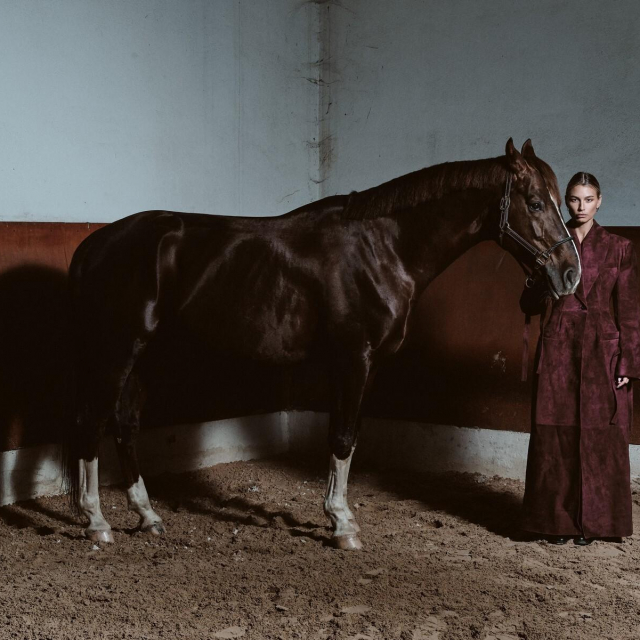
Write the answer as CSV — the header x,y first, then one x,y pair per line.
x,y
579,292
594,251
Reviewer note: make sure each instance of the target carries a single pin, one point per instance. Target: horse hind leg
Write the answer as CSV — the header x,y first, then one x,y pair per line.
x,y
99,394
99,529
126,432
81,448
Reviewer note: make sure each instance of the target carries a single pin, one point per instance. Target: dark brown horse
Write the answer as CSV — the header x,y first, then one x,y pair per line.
x,y
339,276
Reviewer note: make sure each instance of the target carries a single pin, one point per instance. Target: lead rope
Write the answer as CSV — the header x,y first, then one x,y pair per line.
x,y
525,347
525,340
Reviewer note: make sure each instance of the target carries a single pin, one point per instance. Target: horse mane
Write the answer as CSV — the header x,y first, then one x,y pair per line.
x,y
413,189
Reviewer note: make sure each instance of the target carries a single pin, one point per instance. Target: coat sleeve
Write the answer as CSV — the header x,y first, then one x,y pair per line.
x,y
627,309
533,300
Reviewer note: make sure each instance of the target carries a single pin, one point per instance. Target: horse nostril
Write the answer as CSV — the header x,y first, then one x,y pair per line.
x,y
570,277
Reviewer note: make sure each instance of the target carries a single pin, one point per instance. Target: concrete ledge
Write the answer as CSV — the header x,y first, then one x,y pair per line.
x,y
30,473
429,447
197,446
415,446
387,444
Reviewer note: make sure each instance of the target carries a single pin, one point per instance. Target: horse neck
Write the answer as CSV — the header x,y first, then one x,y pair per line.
x,y
439,231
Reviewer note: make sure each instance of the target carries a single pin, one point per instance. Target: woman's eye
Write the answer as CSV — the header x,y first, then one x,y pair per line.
x,y
535,206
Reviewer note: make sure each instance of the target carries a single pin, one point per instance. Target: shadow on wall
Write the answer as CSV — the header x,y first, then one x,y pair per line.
x,y
34,374
185,382
36,380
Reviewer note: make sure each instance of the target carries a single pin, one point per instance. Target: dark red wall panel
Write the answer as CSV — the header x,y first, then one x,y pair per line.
x,y
461,364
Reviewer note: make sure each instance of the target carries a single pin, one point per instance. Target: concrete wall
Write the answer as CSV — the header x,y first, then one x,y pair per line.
x,y
111,107
37,471
383,444
412,83
416,446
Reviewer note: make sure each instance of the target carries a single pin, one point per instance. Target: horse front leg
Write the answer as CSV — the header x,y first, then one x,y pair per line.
x,y
345,527
89,502
345,422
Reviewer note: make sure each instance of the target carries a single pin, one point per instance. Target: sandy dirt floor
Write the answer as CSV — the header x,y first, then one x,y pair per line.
x,y
246,556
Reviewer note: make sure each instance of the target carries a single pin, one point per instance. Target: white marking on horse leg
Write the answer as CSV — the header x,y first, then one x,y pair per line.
x,y
345,534
348,512
138,500
89,502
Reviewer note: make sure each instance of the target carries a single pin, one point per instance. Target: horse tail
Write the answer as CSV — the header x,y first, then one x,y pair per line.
x,y
70,451
74,437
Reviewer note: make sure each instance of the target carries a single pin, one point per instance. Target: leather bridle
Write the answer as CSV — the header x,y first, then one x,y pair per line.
x,y
540,257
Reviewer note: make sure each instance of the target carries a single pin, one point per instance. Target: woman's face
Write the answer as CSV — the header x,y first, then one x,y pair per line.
x,y
583,201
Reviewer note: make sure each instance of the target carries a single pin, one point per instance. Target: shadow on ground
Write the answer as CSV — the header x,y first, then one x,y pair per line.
x,y
465,496
494,506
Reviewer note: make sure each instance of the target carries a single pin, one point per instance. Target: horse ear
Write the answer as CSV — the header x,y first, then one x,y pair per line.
x,y
517,163
527,150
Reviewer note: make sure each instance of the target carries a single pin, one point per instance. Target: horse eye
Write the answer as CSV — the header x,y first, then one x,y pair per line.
x,y
535,206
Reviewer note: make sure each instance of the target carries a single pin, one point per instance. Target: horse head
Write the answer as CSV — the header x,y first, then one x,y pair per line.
x,y
531,226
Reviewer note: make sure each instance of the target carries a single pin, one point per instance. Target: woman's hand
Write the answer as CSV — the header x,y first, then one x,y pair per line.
x,y
620,382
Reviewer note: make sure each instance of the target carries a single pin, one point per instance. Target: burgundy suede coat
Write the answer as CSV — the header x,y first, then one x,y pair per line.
x,y
578,466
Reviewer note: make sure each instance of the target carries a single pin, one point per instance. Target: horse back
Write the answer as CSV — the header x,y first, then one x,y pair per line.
x,y
270,288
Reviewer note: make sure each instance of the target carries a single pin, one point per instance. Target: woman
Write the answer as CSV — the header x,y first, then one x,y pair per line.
x,y
577,482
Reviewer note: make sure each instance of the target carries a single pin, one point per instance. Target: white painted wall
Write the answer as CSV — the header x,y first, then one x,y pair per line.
x,y
115,106
412,83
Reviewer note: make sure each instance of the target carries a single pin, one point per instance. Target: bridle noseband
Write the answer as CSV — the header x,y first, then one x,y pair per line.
x,y
540,257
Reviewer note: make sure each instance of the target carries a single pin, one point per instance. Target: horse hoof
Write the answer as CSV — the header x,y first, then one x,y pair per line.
x,y
347,542
155,529
101,535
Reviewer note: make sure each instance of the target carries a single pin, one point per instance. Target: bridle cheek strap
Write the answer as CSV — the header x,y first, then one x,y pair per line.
x,y
540,260
540,257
